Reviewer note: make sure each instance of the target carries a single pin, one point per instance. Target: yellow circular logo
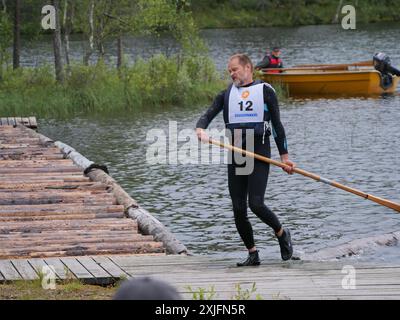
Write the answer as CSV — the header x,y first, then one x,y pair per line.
x,y
245,94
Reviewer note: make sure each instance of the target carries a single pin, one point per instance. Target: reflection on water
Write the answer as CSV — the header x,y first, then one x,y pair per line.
x,y
354,141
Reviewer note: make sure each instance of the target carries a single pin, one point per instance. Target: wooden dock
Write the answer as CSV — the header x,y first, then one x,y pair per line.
x,y
274,280
51,215
48,208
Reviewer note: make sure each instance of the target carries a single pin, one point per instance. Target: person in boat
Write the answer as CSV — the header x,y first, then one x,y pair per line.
x,y
271,60
248,108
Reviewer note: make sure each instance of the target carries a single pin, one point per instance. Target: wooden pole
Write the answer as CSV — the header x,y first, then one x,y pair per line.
x,y
387,203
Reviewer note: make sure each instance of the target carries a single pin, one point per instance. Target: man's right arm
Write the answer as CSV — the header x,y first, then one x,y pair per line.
x,y
209,115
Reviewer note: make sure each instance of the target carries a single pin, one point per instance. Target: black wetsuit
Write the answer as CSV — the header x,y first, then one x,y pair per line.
x,y
253,185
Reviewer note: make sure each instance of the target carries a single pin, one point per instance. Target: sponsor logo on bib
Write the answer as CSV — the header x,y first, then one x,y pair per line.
x,y
245,94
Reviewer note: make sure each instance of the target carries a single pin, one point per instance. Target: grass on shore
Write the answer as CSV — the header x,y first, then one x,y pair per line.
x,y
156,83
67,290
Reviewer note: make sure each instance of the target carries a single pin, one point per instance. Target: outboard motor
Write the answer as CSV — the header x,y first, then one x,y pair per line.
x,y
382,64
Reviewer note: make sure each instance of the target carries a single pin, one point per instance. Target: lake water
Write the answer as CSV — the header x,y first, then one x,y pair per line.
x,y
354,141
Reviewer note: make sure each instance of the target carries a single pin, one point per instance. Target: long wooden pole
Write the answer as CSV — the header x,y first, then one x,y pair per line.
x,y
387,203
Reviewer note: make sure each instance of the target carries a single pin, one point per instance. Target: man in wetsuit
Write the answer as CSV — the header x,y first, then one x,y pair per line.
x,y
248,107
271,60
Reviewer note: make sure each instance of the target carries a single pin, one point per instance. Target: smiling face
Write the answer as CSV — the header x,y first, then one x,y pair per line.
x,y
240,74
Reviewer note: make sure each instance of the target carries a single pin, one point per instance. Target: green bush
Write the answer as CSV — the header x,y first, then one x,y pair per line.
x,y
156,83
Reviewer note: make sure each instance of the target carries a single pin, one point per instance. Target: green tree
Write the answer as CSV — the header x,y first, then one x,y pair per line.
x,y
5,38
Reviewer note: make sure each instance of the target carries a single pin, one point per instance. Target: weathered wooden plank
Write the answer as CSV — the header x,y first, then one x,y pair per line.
x,y
11,121
73,234
32,122
15,242
24,269
45,184
20,156
95,269
81,250
37,265
43,175
25,122
108,265
66,224
26,216
61,269
8,271
87,252
85,225
45,179
40,170
56,186
133,247
63,194
77,269
33,163
60,208
53,199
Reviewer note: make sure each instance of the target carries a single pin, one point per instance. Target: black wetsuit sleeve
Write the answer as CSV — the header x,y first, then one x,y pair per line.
x,y
212,111
264,63
277,127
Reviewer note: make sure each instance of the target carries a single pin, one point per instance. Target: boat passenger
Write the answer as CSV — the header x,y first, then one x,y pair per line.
x,y
271,60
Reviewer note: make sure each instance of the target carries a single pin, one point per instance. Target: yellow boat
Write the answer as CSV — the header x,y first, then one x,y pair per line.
x,y
330,80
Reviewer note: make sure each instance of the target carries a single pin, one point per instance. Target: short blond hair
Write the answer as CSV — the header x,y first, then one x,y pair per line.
x,y
243,59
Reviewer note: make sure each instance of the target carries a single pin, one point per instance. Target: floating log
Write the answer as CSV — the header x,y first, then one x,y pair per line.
x,y
58,170
41,226
58,250
58,185
122,239
57,216
69,235
60,208
354,247
36,163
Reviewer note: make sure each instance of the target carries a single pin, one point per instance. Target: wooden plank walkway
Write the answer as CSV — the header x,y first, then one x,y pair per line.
x,y
273,279
48,208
